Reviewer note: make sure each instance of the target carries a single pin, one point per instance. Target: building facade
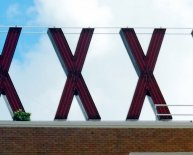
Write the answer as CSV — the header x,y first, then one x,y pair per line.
x,y
95,138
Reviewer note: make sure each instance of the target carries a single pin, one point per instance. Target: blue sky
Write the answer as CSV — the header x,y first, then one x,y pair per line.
x,y
17,13
39,78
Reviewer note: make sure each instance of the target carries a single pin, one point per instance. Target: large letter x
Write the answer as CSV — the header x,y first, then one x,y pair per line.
x,y
144,66
6,85
75,84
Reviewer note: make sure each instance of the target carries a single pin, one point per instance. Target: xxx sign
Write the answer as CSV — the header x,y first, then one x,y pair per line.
x,y
73,64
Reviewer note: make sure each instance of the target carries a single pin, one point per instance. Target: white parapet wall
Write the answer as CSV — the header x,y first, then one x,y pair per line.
x,y
98,124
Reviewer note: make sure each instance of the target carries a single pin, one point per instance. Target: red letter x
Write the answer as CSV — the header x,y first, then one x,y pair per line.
x,y
6,85
144,66
75,84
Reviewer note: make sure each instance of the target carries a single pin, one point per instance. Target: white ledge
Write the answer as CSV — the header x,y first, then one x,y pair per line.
x,y
97,124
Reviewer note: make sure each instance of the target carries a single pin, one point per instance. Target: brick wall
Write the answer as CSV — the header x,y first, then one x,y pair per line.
x,y
54,140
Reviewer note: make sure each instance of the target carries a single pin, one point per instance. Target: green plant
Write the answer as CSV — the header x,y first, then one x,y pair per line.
x,y
21,115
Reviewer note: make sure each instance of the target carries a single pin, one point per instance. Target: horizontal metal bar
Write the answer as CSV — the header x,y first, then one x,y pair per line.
x,y
174,114
27,32
97,27
106,33
170,105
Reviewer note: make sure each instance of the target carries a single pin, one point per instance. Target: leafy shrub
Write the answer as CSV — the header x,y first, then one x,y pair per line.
x,y
21,115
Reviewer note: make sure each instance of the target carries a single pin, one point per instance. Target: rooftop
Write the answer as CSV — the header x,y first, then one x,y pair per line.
x,y
99,124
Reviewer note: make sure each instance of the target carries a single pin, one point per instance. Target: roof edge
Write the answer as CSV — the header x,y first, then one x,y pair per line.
x,y
98,124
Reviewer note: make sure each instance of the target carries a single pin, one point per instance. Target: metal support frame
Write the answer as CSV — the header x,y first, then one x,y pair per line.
x,y
144,66
6,85
72,65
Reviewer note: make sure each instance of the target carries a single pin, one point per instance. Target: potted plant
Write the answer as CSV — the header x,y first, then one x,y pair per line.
x,y
21,115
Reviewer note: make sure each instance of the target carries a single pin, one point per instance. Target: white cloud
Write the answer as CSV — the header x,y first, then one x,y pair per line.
x,y
72,13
